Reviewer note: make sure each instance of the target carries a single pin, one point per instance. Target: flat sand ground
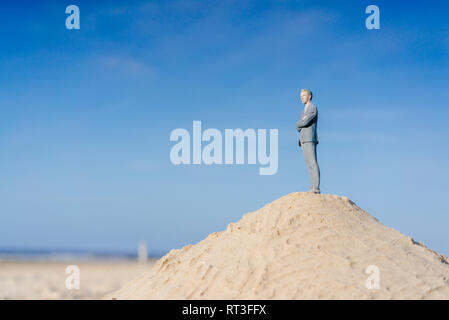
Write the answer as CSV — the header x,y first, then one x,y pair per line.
x,y
47,280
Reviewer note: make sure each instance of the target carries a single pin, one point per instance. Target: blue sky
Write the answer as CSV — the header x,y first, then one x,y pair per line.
x,y
86,115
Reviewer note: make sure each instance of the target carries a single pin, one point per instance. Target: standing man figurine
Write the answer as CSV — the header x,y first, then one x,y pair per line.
x,y
308,138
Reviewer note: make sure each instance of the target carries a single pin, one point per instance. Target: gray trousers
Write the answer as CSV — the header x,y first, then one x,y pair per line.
x,y
309,151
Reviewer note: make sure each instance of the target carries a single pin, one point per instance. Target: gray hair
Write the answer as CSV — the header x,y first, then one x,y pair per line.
x,y
309,92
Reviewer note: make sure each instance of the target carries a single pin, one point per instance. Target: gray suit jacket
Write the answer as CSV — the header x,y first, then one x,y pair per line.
x,y
307,124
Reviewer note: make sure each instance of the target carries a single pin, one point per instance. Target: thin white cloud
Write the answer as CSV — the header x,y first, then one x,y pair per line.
x,y
117,11
371,137
125,65
141,165
363,113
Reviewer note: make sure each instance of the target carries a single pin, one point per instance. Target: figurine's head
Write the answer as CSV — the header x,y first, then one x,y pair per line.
x,y
306,96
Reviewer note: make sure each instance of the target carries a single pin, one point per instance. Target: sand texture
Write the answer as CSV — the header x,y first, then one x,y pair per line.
x,y
301,246
47,280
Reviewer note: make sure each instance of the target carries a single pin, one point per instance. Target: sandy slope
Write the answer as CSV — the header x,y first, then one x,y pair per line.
x,y
301,246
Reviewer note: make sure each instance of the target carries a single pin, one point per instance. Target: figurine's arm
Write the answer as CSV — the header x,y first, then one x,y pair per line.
x,y
306,119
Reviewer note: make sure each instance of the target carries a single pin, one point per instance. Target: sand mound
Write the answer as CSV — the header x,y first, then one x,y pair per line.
x,y
301,246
